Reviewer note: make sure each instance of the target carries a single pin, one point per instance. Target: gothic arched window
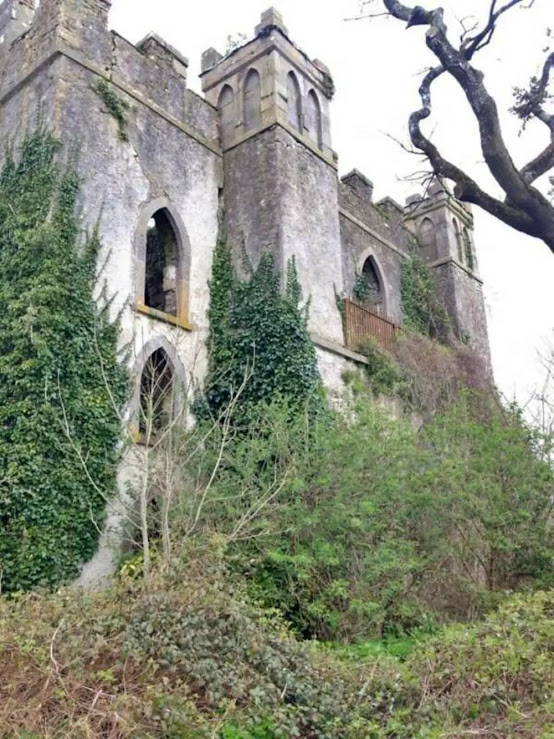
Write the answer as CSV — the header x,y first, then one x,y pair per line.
x,y
314,123
226,113
368,288
161,269
156,394
470,260
428,239
294,101
459,243
252,100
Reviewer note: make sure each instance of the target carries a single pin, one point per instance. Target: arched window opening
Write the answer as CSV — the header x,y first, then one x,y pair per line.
x,y
368,288
470,259
428,239
162,253
226,114
252,101
459,243
314,122
294,101
156,394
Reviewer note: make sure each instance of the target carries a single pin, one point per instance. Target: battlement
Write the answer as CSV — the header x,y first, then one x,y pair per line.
x,y
75,32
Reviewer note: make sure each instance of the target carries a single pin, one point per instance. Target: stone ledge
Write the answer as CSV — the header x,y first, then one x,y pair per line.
x,y
334,348
452,260
159,315
331,161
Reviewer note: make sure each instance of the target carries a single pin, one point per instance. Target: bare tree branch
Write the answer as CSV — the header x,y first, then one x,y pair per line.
x,y
524,207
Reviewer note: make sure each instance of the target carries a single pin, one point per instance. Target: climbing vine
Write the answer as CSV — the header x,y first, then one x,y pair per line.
x,y
116,107
421,308
59,376
259,339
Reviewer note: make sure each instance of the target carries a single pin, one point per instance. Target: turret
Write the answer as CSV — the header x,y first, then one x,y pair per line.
x,y
443,227
281,186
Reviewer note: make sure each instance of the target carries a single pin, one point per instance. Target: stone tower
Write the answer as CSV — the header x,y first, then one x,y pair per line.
x,y
280,173
443,227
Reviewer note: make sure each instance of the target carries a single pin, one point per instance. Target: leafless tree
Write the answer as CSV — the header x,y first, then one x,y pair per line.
x,y
523,207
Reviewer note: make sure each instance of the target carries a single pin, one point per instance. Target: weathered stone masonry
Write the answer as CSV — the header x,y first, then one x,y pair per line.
x,y
251,161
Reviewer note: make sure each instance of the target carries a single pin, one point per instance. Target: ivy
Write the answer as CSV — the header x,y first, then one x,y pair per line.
x,y
116,107
259,334
421,308
58,357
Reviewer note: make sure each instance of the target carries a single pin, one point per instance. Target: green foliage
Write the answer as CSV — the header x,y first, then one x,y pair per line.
x,y
116,107
186,656
385,376
259,343
357,526
421,308
57,352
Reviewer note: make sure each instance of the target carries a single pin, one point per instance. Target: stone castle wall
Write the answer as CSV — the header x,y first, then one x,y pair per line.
x,y
252,162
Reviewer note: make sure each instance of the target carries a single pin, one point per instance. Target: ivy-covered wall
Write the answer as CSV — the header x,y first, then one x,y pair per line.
x,y
259,345
61,384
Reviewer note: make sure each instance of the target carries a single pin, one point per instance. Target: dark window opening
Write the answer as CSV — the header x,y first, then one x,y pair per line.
x,y
368,288
156,394
160,290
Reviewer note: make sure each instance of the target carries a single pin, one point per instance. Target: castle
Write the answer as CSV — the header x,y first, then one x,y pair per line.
x,y
165,173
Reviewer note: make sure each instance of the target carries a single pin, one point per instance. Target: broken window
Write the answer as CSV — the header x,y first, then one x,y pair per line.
x,y
160,290
368,288
156,394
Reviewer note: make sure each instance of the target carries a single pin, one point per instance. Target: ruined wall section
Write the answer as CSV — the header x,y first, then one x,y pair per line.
x,y
372,230
172,155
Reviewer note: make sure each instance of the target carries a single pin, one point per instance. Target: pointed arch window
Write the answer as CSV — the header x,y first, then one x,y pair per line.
x,y
294,101
459,242
162,254
156,395
163,264
226,114
428,239
314,122
368,288
470,259
252,100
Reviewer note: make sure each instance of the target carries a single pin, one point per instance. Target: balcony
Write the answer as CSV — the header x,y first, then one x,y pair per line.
x,y
364,322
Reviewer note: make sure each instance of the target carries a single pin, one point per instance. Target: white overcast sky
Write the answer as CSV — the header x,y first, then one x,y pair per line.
x,y
377,66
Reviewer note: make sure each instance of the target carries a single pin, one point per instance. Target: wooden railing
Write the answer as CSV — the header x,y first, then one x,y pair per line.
x,y
362,322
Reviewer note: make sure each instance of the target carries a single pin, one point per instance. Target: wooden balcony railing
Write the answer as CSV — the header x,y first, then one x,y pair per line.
x,y
363,322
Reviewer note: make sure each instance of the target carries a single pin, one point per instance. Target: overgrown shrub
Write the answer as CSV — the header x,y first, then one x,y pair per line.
x,y
357,525
186,656
59,376
422,310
